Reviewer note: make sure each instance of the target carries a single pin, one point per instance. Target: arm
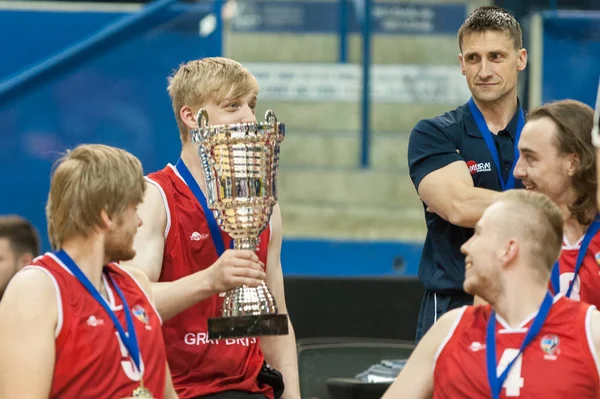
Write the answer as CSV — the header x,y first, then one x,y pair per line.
x,y
170,297
441,176
28,316
449,192
415,381
234,268
280,351
149,242
169,389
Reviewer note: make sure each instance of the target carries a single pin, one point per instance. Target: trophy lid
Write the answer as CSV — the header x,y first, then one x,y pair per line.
x,y
242,132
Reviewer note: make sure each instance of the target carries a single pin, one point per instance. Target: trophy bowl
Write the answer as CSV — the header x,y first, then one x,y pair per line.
x,y
240,164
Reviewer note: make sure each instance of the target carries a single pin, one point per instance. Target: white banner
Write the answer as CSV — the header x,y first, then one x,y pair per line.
x,y
428,84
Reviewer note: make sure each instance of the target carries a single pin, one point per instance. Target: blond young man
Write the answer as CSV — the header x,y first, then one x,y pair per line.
x,y
75,325
189,266
526,342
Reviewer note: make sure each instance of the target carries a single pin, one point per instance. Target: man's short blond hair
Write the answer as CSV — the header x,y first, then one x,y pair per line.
x,y
198,82
538,221
87,180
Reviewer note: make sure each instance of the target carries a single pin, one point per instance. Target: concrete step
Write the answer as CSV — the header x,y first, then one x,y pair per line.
x,y
335,117
299,149
368,188
431,49
352,222
386,49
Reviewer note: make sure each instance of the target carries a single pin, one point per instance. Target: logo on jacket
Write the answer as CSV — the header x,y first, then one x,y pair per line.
x,y
141,315
476,346
549,344
92,321
597,257
197,236
475,167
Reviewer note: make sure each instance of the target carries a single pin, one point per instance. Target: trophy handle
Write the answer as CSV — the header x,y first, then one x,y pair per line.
x,y
270,117
202,116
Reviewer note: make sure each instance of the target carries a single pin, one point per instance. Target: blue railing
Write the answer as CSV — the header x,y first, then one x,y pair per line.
x,y
97,44
365,136
365,109
115,33
343,36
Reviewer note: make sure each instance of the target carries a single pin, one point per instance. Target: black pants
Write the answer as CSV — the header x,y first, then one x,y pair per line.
x,y
233,395
434,305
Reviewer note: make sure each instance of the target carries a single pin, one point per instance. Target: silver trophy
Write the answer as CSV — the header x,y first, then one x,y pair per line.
x,y
240,163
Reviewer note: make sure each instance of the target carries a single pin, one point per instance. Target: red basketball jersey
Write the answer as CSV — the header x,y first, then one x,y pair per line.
x,y
587,285
91,361
559,363
200,366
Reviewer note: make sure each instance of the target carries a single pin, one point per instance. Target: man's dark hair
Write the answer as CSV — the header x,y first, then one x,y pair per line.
x,y
21,234
492,18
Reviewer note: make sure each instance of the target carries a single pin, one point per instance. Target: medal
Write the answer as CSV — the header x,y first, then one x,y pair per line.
x,y
141,392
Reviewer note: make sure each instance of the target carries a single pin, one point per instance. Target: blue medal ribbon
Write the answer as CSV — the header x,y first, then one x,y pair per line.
x,y
129,337
215,231
494,380
489,141
585,243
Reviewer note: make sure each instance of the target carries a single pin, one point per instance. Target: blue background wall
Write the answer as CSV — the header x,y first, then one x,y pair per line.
x,y
118,97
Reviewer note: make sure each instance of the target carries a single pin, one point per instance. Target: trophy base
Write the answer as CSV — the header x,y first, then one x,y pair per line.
x,y
247,326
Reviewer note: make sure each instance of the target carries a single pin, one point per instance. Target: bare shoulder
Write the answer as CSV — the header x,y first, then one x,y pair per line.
x,y
152,211
435,337
30,294
153,200
450,316
448,319
152,189
150,237
447,322
32,278
416,378
140,277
